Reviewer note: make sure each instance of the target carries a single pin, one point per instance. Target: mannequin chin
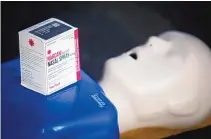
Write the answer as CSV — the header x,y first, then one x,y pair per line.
x,y
163,83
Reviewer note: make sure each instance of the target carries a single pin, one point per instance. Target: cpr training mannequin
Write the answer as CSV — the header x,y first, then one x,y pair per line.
x,y
163,83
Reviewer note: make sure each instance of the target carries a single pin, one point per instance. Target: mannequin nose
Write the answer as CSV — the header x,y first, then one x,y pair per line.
x,y
159,45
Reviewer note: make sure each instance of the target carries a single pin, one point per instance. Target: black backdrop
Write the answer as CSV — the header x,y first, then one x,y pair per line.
x,y
108,28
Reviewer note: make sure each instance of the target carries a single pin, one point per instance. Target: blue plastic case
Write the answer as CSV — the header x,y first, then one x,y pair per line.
x,y
79,111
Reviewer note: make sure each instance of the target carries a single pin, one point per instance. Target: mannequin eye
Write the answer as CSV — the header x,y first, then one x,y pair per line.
x,y
134,56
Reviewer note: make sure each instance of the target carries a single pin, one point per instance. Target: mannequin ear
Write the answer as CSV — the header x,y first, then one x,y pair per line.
x,y
159,45
183,107
186,102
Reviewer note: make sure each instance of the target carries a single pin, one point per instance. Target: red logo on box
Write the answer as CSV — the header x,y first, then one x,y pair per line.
x,y
49,52
31,42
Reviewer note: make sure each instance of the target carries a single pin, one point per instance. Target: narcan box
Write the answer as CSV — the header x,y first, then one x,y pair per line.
x,y
49,56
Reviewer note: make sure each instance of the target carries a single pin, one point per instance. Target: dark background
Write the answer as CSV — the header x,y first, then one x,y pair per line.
x,y
109,28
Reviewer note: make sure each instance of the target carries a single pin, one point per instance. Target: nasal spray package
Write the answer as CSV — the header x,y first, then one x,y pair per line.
x,y
49,56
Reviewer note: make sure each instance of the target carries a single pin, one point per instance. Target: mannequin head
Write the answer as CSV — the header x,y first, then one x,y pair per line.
x,y
167,77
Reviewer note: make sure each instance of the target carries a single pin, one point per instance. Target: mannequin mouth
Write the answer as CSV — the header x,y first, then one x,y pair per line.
x,y
134,56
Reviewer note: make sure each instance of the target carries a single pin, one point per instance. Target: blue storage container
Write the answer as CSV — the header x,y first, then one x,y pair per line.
x,y
79,111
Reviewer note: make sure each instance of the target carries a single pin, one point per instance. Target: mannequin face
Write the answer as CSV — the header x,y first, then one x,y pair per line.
x,y
145,66
167,77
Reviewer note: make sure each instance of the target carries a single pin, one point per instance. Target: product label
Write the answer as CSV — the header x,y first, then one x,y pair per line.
x,y
32,65
32,60
50,30
61,66
77,58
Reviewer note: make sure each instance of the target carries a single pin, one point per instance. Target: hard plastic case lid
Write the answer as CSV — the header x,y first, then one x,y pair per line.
x,y
79,111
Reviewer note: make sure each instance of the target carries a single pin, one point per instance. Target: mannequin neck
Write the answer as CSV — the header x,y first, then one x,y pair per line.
x,y
117,95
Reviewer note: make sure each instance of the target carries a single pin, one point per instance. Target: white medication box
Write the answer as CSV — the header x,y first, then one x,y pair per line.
x,y
49,56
